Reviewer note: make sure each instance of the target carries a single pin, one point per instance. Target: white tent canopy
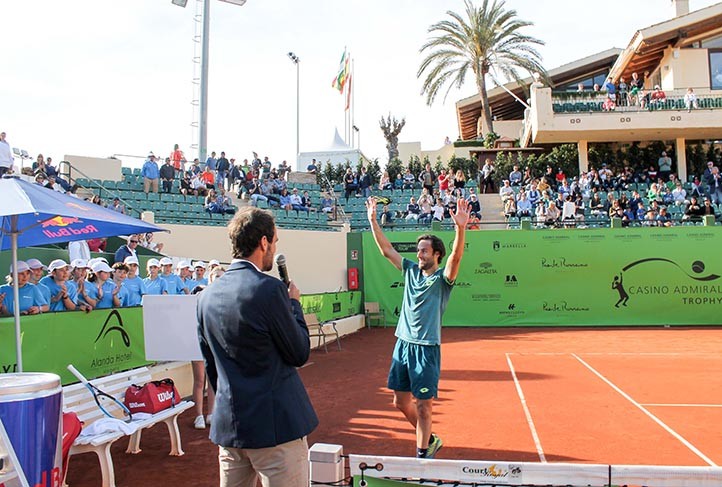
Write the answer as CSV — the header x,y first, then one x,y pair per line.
x,y
337,153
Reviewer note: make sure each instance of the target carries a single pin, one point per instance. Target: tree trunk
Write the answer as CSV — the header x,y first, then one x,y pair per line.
x,y
487,121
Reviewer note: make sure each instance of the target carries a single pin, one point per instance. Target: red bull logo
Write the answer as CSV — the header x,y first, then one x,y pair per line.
x,y
66,226
61,221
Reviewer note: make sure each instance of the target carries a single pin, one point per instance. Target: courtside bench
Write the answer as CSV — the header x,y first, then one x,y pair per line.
x,y
78,399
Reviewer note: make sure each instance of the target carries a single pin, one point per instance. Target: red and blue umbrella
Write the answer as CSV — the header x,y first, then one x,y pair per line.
x,y
33,215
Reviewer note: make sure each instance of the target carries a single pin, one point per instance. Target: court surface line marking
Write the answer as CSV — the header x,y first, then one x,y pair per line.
x,y
649,414
527,413
683,405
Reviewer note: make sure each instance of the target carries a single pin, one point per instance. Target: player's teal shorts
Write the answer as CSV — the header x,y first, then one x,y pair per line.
x,y
416,369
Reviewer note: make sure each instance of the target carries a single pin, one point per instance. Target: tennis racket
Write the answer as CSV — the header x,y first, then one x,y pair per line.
x,y
109,405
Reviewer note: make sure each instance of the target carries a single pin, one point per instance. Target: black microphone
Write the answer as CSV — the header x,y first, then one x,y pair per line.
x,y
282,270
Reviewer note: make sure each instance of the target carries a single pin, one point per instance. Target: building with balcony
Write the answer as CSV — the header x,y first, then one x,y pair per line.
x,y
681,53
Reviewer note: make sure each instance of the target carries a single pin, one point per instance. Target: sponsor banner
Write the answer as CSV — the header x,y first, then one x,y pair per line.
x,y
332,306
96,343
626,276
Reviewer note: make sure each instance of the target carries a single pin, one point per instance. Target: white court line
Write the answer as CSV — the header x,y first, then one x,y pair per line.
x,y
685,405
623,354
645,411
529,420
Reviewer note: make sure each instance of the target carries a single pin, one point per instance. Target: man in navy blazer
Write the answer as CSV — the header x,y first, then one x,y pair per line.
x,y
253,336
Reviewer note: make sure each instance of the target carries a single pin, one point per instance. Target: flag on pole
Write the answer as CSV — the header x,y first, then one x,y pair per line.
x,y
340,80
348,91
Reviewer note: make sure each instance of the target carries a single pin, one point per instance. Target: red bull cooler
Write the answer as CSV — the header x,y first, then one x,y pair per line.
x,y
31,411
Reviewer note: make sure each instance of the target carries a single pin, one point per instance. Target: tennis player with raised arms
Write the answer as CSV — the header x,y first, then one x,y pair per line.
x,y
416,361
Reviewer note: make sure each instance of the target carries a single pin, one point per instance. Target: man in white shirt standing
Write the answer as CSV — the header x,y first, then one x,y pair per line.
x,y
6,156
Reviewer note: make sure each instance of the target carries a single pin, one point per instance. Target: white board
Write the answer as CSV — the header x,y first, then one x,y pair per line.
x,y
171,328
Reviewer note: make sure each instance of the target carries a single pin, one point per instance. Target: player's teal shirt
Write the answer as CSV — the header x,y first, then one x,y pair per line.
x,y
425,299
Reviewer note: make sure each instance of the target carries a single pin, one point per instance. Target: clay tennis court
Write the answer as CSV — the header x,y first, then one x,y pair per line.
x,y
626,396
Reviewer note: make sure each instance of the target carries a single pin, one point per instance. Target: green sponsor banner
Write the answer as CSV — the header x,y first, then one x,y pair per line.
x,y
97,343
610,277
332,306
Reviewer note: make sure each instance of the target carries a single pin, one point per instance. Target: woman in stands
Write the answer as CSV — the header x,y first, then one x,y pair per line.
x,y
385,182
153,283
32,301
460,182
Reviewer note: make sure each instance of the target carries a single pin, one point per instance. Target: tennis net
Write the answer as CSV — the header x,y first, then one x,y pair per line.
x,y
381,471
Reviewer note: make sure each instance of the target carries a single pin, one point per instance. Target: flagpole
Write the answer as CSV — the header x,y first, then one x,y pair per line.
x,y
352,104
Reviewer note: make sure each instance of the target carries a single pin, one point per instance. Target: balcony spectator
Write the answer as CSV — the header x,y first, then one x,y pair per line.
x,y
6,156
212,162
690,100
150,173
312,168
409,179
515,176
223,165
609,104
596,88
350,182
117,206
664,163
580,88
715,186
167,174
622,92
658,97
694,210
427,178
208,178
611,89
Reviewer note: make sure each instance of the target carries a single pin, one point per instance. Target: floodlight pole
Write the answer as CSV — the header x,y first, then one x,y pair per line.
x,y
297,61
203,100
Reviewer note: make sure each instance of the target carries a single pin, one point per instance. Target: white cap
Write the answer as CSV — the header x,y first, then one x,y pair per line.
x,y
101,267
166,261
213,262
153,262
57,264
22,267
150,154
200,264
95,260
35,264
79,264
183,264
131,259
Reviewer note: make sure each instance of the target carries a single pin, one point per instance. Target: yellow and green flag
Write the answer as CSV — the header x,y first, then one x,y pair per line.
x,y
339,82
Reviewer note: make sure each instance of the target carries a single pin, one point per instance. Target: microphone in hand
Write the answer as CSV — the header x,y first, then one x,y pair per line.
x,y
280,260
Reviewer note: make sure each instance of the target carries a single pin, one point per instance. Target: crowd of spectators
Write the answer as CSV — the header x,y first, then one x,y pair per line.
x,y
94,284
652,197
632,93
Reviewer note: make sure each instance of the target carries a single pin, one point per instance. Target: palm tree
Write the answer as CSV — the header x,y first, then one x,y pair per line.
x,y
487,42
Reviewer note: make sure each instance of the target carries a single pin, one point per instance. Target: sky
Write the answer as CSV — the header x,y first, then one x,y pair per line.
x,y
104,77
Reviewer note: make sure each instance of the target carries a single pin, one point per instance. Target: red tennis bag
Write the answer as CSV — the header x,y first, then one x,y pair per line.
x,y
153,397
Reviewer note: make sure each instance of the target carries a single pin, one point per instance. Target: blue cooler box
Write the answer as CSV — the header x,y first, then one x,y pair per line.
x,y
31,411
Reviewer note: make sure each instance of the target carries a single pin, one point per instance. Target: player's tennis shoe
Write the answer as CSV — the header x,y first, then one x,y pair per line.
x,y
199,423
434,447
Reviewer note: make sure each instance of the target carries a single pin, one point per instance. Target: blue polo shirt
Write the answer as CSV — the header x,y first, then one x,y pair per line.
x,y
54,289
174,283
424,303
106,301
155,287
30,296
134,291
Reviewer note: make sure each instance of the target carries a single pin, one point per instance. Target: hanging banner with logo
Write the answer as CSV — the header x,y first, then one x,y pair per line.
x,y
332,306
626,276
96,343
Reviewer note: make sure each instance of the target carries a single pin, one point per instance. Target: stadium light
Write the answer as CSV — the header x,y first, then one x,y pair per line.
x,y
180,3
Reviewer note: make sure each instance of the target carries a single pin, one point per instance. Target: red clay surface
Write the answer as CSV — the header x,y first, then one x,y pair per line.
x,y
578,415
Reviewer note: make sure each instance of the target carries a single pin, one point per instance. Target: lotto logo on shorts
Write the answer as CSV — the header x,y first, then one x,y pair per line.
x,y
424,390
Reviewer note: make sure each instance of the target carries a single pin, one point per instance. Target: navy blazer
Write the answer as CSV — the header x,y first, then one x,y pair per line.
x,y
253,336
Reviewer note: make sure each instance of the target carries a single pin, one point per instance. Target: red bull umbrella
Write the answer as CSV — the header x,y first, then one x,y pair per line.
x,y
33,215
